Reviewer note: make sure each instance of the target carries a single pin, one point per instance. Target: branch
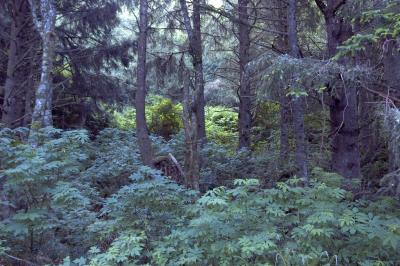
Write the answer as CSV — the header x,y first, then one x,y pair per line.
x,y
337,5
321,5
186,20
19,259
234,19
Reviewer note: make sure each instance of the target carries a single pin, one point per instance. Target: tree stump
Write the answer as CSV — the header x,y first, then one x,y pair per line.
x,y
170,167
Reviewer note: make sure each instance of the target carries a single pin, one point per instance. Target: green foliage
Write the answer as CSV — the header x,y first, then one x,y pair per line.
x,y
221,125
163,117
90,202
385,24
266,122
125,119
300,77
114,157
42,184
286,225
151,206
122,250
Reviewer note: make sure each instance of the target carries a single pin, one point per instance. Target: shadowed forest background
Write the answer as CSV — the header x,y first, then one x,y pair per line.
x,y
199,132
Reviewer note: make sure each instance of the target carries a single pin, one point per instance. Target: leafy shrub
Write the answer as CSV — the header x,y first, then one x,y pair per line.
x,y
48,203
286,225
266,120
222,125
73,198
114,157
148,208
163,117
125,119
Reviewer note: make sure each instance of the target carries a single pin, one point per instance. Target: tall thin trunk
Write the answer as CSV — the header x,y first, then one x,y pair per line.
x,y
42,112
192,162
33,78
298,102
145,148
245,97
344,107
196,52
284,127
14,88
9,115
281,43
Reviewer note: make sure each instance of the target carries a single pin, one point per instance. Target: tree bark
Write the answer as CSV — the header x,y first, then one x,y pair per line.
x,y
344,107
281,44
284,127
391,65
42,112
245,97
196,52
15,85
192,158
298,101
145,148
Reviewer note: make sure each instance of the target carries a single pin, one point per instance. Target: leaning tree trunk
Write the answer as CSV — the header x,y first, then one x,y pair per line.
x,y
196,52
145,148
245,97
45,25
344,107
298,102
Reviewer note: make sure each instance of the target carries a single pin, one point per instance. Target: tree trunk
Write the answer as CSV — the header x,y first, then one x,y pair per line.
x,y
345,151
344,107
284,126
192,158
245,97
367,127
391,64
42,112
15,87
145,148
298,101
281,44
196,52
33,78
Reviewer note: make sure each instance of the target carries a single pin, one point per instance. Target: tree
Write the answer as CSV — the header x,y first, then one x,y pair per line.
x,y
21,56
192,159
45,23
196,52
343,99
298,102
280,15
142,131
245,96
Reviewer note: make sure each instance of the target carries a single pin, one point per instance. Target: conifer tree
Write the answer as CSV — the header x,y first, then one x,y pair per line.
x,y
193,31
343,104
298,102
142,131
